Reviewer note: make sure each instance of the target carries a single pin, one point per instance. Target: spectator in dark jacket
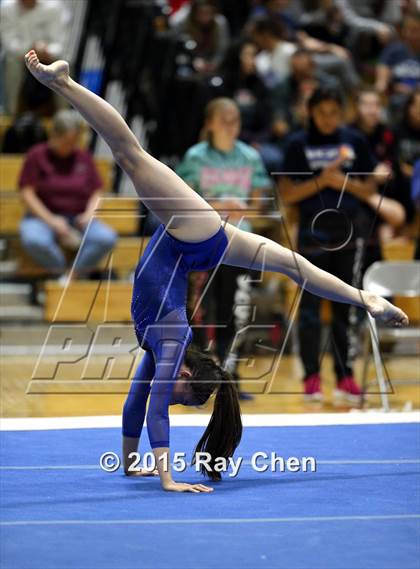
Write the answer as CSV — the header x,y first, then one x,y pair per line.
x,y
379,221
320,157
370,115
407,151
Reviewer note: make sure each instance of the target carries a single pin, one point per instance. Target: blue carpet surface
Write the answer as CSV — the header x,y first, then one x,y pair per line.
x,y
360,509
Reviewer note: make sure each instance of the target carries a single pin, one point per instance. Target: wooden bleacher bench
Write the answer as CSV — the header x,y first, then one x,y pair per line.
x,y
87,299
122,259
98,301
395,250
11,213
398,250
122,214
11,166
11,208
83,301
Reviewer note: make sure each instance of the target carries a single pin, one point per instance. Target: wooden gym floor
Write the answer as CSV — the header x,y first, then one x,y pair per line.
x,y
67,395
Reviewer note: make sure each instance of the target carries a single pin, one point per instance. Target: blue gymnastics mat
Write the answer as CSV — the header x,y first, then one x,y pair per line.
x,y
360,509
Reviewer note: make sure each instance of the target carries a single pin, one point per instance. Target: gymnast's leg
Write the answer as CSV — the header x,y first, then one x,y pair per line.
x,y
253,251
185,214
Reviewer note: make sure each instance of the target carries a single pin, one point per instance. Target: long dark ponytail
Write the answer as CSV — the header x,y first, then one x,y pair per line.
x,y
224,431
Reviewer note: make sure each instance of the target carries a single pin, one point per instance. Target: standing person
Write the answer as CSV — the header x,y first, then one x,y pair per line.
x,y
26,24
369,120
407,151
230,175
60,188
379,224
415,196
191,237
320,157
242,83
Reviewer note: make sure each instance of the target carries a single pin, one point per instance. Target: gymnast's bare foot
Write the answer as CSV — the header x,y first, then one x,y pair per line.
x,y
53,76
385,312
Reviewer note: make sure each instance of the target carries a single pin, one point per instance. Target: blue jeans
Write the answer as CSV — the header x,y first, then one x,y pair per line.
x,y
40,242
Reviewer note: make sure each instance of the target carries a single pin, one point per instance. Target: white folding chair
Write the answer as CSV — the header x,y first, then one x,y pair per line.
x,y
387,279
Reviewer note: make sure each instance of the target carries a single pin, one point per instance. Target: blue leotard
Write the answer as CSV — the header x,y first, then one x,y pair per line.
x,y
159,312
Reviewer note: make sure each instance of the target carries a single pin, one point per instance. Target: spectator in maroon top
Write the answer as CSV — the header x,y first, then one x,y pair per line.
x,y
60,188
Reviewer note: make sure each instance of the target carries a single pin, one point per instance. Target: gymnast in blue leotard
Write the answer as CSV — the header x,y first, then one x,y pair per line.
x,y
191,237
162,329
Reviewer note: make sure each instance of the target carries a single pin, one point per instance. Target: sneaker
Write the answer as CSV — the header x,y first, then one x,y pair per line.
x,y
347,391
312,386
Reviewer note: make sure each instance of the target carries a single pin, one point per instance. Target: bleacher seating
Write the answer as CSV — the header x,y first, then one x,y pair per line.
x,y
11,165
83,301
123,215
119,213
122,260
125,220
395,250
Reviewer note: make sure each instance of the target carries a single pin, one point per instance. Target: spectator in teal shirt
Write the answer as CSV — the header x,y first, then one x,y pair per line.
x,y
230,175
225,171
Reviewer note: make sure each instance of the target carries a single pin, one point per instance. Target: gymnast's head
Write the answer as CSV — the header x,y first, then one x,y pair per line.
x,y
199,379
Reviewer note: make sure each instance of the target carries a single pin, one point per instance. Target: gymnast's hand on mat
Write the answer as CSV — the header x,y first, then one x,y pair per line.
x,y
142,472
172,486
386,312
53,76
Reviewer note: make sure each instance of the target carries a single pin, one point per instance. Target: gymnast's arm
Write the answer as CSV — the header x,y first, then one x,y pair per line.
x,y
169,356
135,410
